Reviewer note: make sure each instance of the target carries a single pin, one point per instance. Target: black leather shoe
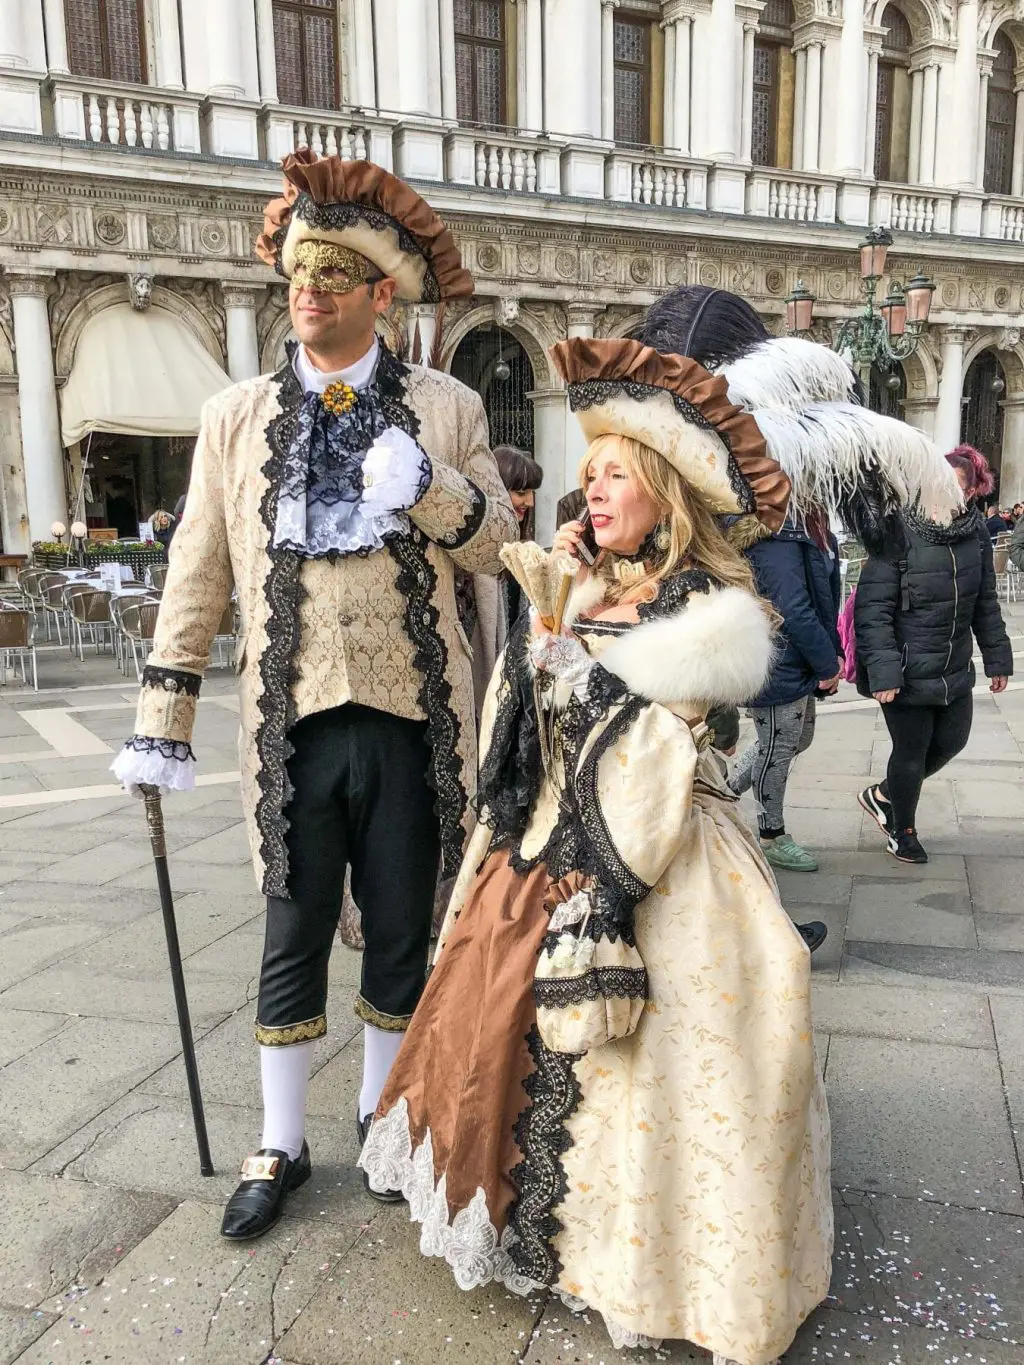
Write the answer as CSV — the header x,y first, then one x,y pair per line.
x,y
382,1196
813,934
267,1180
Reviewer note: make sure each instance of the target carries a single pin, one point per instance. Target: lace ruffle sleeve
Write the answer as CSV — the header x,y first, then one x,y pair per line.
x,y
165,763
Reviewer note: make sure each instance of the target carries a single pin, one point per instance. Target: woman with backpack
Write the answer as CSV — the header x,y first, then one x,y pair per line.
x,y
914,618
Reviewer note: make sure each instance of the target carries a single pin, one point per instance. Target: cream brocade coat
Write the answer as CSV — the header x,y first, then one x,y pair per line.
x,y
696,1162
380,630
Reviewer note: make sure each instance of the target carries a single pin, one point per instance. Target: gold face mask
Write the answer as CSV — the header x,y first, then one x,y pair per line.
x,y
331,269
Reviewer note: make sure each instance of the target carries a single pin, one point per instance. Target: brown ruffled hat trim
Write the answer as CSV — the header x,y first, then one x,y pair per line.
x,y
329,180
627,362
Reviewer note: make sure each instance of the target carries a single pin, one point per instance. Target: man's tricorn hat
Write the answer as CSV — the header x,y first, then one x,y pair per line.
x,y
358,205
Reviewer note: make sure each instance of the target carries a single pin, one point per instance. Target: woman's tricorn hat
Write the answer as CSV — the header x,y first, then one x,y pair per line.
x,y
365,208
673,405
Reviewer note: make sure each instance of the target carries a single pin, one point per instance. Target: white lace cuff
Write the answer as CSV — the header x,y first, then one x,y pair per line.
x,y
396,473
164,763
565,658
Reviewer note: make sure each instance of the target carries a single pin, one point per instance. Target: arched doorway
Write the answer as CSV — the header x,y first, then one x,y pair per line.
x,y
887,391
492,362
981,421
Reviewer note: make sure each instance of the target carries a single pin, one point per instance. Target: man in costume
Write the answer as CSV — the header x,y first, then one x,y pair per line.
x,y
338,496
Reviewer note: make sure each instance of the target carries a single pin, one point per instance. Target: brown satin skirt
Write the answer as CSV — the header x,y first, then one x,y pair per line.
x,y
465,1057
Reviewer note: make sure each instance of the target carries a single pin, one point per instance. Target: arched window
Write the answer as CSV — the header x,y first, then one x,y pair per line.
x,y
1001,119
495,365
480,61
632,61
771,128
981,422
892,99
105,39
306,53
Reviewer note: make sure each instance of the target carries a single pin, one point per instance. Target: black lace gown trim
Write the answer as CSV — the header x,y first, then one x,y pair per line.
x,y
673,592
600,983
594,391
174,680
166,748
284,593
417,582
539,1178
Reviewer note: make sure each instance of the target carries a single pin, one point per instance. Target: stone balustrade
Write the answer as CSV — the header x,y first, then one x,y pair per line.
x,y
791,196
358,139
148,120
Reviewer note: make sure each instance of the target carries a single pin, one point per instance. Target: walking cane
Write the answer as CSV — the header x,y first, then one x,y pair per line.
x,y
155,821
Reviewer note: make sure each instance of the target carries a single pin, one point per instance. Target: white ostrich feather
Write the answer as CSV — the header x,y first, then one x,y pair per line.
x,y
826,449
788,372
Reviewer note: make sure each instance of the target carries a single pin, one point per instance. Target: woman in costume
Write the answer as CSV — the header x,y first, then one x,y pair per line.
x,y
609,1086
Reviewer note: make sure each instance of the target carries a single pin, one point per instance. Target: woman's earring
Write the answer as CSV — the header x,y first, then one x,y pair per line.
x,y
662,537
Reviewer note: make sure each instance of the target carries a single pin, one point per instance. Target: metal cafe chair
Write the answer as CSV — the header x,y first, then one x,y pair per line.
x,y
138,624
17,645
90,611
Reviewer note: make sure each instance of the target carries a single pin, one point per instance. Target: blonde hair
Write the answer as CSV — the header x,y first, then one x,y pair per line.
x,y
695,540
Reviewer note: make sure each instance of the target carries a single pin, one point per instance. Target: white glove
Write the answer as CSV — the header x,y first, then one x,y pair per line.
x,y
565,658
396,473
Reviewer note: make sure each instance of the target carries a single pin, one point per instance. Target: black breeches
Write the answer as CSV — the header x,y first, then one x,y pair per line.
x,y
924,739
360,798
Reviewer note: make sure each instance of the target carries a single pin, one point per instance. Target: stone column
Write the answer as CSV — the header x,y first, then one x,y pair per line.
x,y
1011,473
534,119
168,45
951,388
1017,186
979,149
916,106
799,107
13,38
668,102
446,28
747,114
549,424
362,75
608,8
681,80
850,103
265,51
871,121
243,345
929,119
37,397
522,66
224,45
580,323
965,96
721,88
812,108
421,317
55,26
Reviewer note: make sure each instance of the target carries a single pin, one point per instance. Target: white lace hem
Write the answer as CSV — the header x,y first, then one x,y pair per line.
x,y
133,767
469,1242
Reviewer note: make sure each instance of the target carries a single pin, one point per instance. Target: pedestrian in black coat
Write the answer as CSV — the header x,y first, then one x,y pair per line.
x,y
914,618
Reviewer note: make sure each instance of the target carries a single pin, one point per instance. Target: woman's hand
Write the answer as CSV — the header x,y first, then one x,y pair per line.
x,y
998,684
568,537
884,698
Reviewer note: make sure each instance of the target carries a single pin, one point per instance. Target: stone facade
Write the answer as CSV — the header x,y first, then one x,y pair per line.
x,y
153,195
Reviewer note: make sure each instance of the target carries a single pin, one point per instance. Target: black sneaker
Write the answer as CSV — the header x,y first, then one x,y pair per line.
x,y
905,846
813,934
879,810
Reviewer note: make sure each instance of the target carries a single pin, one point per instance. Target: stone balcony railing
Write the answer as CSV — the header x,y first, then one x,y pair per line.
x,y
143,119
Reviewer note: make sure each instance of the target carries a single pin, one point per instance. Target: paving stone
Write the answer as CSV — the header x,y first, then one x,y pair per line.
x,y
141,946
879,864
186,876
56,1234
388,1303
23,1030
239,952
145,997
1008,1021
849,1339
61,840
827,961
100,865
37,943
975,835
228,848
90,904
186,1294
979,970
814,888
19,1328
997,885
826,829
52,1092
931,913
958,1145
847,1008
1001,933
920,1263
564,1338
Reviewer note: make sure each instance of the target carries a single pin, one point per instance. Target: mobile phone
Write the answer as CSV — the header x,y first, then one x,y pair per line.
x,y
588,546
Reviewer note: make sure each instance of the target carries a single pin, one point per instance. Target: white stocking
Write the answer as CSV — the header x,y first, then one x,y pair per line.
x,y
285,1072
380,1048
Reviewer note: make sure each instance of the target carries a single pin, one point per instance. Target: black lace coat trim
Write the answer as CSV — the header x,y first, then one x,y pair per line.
x,y
594,391
172,680
337,217
474,519
600,983
167,748
417,582
284,593
539,1178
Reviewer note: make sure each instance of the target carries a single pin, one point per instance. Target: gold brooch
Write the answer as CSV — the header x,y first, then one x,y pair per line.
x,y
339,398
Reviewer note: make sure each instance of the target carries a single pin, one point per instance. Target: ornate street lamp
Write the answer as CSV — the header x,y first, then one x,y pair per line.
x,y
880,335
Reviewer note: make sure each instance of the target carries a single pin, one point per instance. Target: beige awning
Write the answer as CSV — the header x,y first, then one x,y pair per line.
x,y
143,374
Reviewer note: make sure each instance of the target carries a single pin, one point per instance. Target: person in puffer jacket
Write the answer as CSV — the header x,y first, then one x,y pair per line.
x,y
797,570
914,618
